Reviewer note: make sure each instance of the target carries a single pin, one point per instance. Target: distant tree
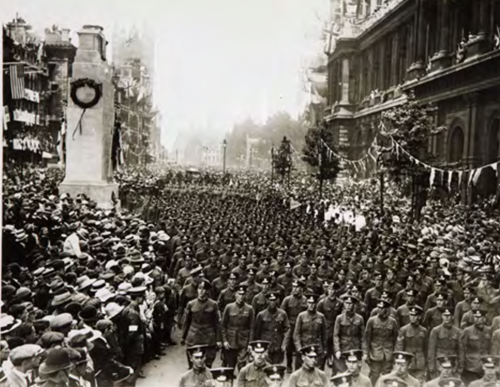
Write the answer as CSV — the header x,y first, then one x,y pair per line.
x,y
283,163
316,154
410,125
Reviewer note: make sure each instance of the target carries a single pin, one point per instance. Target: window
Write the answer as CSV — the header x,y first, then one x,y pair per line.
x,y
456,148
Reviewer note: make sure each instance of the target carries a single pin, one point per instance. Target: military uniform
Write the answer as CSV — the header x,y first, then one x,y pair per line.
x,y
476,342
252,376
310,329
460,310
202,326
286,280
432,318
237,329
302,378
348,332
275,328
330,309
188,293
218,284
196,378
413,339
259,302
226,297
253,288
408,379
445,341
292,306
380,339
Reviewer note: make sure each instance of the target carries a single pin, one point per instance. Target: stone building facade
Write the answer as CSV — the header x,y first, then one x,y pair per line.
x,y
447,52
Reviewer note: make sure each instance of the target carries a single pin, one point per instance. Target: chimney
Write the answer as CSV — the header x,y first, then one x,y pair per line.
x,y
65,35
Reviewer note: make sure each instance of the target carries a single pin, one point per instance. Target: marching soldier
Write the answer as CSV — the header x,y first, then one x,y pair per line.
x,y
199,375
447,369
201,324
310,329
330,306
188,292
412,338
237,329
272,325
353,364
348,332
228,295
433,316
402,361
380,338
403,312
259,302
465,305
293,305
444,340
373,295
308,374
490,367
253,288
220,283
287,278
253,375
476,341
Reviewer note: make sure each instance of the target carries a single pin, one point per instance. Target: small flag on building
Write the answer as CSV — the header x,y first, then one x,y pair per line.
x,y
17,81
6,117
294,204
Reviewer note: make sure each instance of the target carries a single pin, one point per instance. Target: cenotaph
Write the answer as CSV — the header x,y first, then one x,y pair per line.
x,y
90,123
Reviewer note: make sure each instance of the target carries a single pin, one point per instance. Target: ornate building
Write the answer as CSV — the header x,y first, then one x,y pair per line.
x,y
447,52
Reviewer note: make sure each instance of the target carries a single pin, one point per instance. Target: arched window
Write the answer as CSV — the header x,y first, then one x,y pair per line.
x,y
456,145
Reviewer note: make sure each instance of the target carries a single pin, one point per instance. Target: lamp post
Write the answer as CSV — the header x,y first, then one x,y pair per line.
x,y
224,146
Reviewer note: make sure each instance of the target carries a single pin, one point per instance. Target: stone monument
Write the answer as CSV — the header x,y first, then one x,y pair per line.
x,y
90,122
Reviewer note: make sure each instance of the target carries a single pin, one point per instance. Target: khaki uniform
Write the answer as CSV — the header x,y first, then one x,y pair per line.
x,y
408,379
292,306
432,318
445,341
226,297
310,329
275,328
259,302
476,342
302,378
413,339
252,376
237,327
192,378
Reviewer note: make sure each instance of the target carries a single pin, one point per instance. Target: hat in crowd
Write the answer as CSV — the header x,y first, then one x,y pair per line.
x,y
205,284
197,350
479,312
393,382
57,360
447,311
23,294
349,298
309,350
259,346
112,310
23,352
442,296
272,296
265,281
241,289
275,372
450,382
298,282
477,299
137,291
311,297
415,310
196,271
447,361
104,294
84,282
99,284
8,324
402,357
222,374
490,361
62,298
61,321
88,314
234,276
353,355
384,302
341,380
50,339
122,373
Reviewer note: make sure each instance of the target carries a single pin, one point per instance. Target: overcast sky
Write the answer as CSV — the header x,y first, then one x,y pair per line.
x,y
217,61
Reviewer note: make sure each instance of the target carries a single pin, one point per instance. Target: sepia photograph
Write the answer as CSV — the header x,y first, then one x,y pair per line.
x,y
250,193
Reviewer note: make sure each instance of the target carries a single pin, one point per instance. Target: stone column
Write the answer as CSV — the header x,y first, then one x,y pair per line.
x,y
88,157
441,58
345,81
417,67
478,43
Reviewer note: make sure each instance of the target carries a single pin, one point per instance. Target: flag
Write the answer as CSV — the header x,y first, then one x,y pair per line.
x,y
6,117
294,204
17,81
140,94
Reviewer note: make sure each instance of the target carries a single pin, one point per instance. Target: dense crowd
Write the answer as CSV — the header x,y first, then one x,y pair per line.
x,y
90,295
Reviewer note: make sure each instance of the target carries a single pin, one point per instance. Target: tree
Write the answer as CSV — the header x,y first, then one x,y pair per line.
x,y
410,125
315,153
282,162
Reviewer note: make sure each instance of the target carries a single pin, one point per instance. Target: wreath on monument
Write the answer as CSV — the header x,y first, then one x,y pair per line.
x,y
86,82
85,104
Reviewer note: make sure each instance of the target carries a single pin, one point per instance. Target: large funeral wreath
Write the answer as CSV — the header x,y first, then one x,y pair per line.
x,y
86,82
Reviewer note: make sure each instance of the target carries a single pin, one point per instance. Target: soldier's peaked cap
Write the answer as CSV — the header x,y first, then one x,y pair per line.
x,y
197,350
275,372
402,357
259,346
340,379
451,382
353,355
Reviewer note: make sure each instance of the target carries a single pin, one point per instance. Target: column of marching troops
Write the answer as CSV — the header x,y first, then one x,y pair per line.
x,y
261,314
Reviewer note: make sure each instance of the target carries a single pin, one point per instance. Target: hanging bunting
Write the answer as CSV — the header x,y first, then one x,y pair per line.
x,y
431,177
450,177
471,175
460,173
494,166
477,173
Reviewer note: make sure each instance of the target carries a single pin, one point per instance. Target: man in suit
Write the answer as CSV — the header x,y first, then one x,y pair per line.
x,y
23,360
